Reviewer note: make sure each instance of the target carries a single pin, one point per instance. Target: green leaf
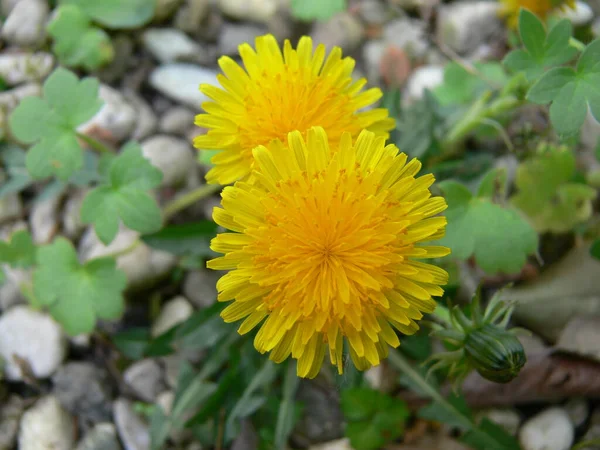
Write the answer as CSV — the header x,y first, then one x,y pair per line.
x,y
461,87
186,239
205,156
489,436
547,194
67,103
595,249
532,32
373,418
499,238
77,43
437,413
20,251
286,415
419,128
116,13
13,159
75,294
308,10
123,198
493,184
132,343
571,92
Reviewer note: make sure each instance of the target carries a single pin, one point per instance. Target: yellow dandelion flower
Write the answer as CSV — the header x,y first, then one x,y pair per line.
x,y
324,248
541,8
279,92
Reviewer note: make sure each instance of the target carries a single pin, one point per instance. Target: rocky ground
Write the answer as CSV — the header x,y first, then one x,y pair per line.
x,y
71,393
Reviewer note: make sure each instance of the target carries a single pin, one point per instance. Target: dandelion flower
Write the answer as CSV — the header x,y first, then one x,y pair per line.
x,y
541,8
324,249
279,92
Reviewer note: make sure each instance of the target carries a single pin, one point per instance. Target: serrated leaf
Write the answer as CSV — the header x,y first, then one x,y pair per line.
x,y
77,294
77,43
67,103
547,194
499,238
123,196
309,10
19,251
116,13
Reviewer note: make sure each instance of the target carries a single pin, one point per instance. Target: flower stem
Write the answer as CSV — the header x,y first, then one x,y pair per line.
x,y
95,144
189,198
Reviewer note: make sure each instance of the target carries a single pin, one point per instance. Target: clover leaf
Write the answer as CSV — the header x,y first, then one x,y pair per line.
x,y
316,9
547,194
19,251
498,237
461,87
13,160
77,294
50,123
123,196
77,43
542,50
116,13
373,418
570,91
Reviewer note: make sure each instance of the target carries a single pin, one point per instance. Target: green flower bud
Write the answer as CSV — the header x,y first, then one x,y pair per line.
x,y
495,353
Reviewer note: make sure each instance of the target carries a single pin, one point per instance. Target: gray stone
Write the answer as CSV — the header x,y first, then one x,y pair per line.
x,y
507,418
172,156
10,291
233,34
174,312
199,286
102,437
324,422
115,120
580,16
342,30
17,68
177,120
581,335
549,430
578,410
44,220
84,390
253,10
338,444
26,24
181,81
424,77
407,34
464,26
590,133
146,118
145,378
6,6
374,12
191,15
34,337
169,45
71,221
133,431
10,207
46,425
10,415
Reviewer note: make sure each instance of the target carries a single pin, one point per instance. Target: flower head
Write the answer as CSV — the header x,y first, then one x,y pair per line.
x,y
323,249
279,92
541,8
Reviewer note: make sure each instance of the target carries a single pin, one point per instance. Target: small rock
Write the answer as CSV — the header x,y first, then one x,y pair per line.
x,y
580,16
424,77
342,30
17,68
46,425
10,207
143,265
232,35
374,12
200,287
115,120
168,45
247,439
177,120
191,14
165,401
549,430
407,34
123,47
253,10
578,410
373,51
6,6
463,26
71,222
10,291
173,312
26,24
180,82
10,415
133,431
171,155
44,219
84,390
324,423
102,437
339,444
145,378
581,335
590,133
34,337
146,118
508,419
164,8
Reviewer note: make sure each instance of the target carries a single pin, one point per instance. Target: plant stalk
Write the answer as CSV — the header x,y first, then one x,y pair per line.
x,y
189,198
95,144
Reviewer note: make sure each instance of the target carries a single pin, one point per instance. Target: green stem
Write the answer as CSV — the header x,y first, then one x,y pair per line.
x,y
577,44
189,198
95,144
584,444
